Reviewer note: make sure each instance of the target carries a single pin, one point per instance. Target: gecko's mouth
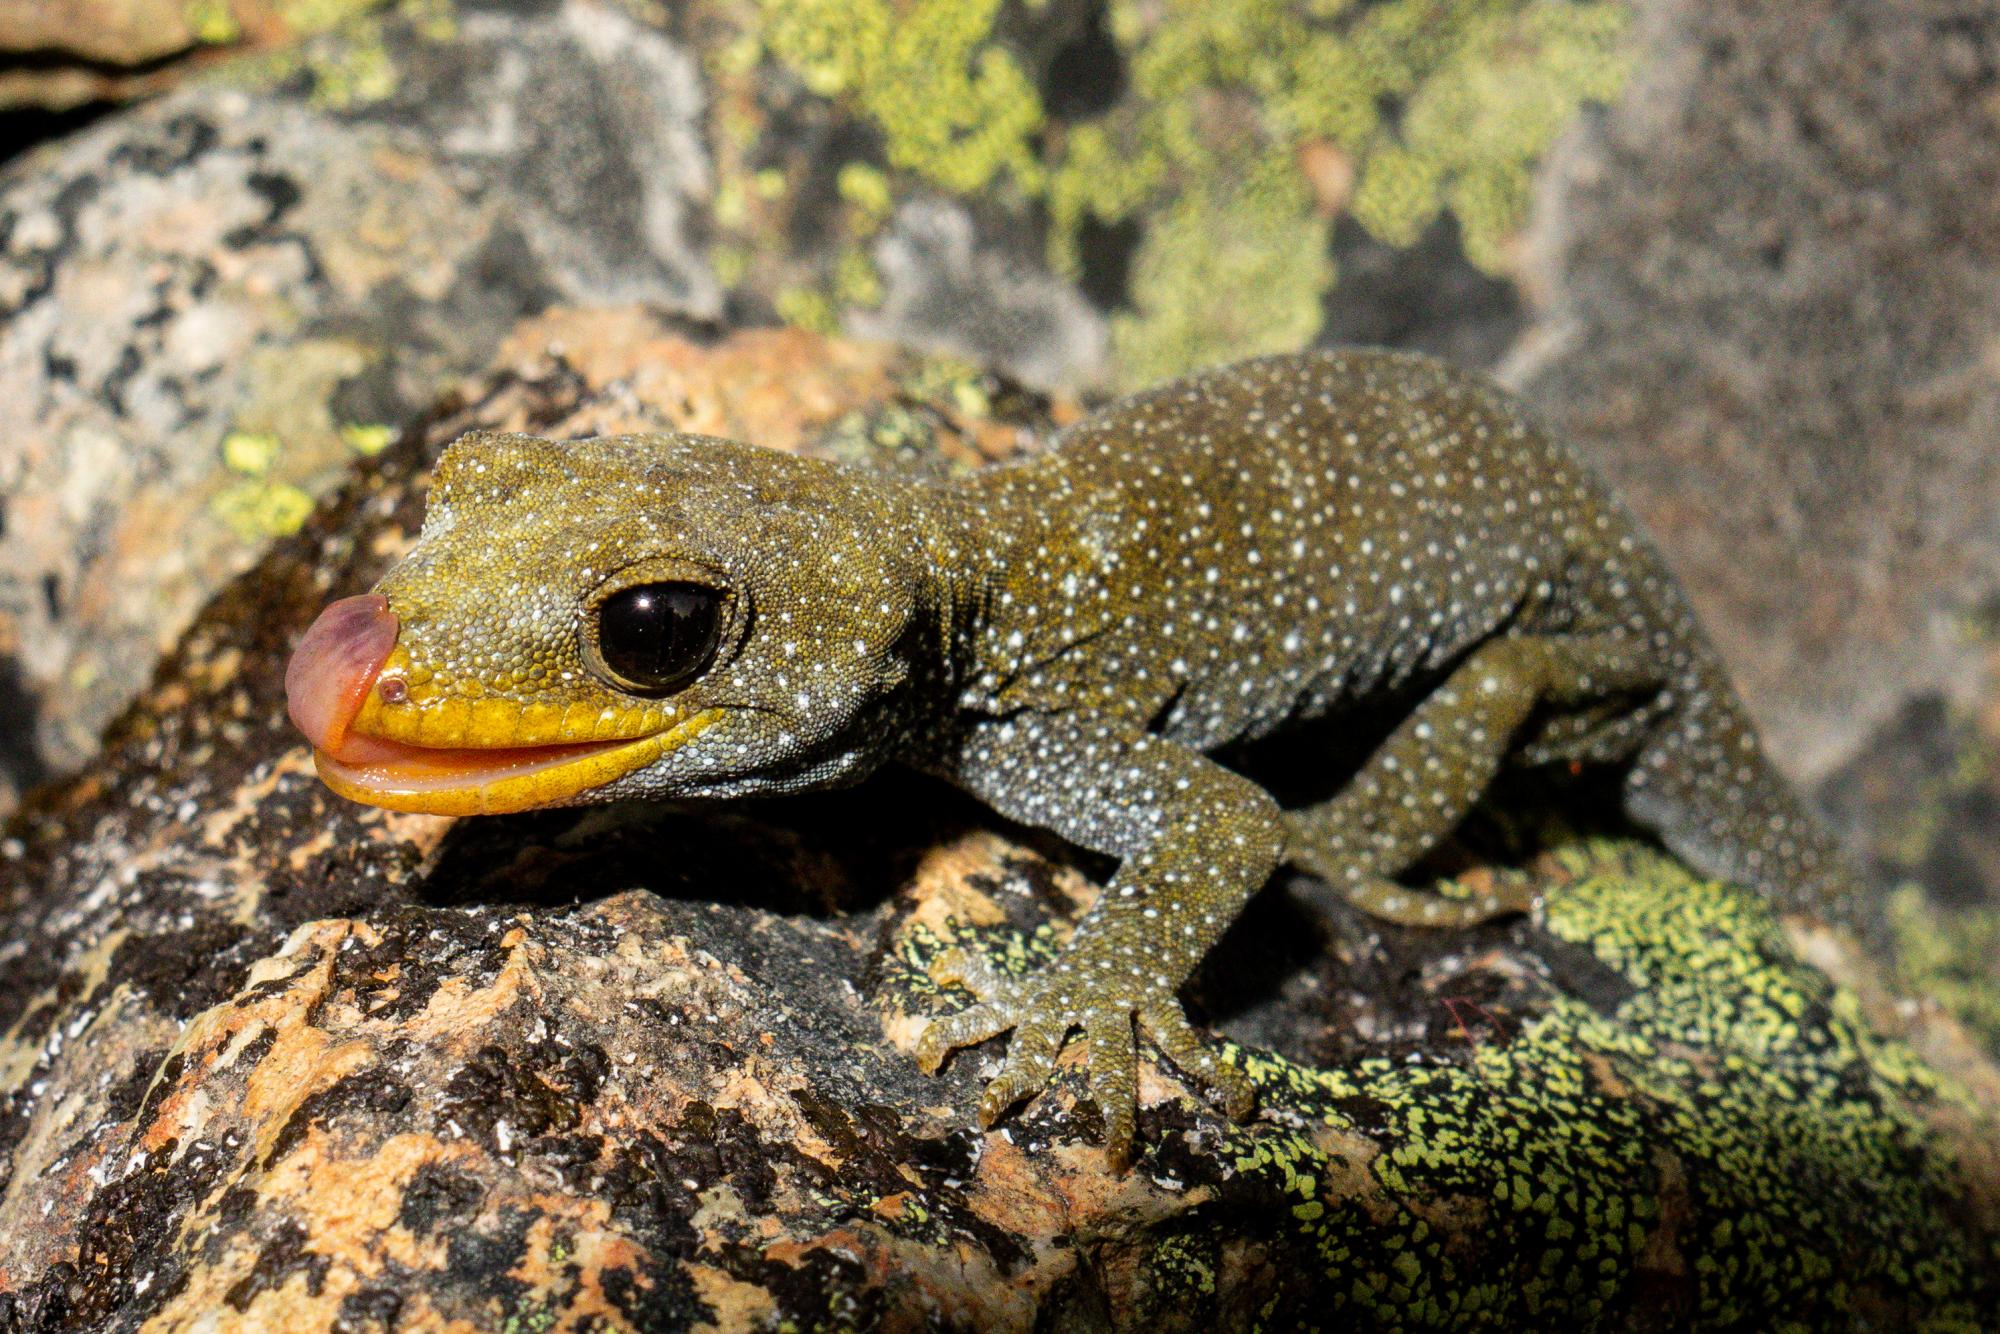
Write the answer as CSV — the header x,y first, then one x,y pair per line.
x,y
332,696
495,780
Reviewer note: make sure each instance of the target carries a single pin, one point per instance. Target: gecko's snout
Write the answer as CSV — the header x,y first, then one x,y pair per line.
x,y
335,665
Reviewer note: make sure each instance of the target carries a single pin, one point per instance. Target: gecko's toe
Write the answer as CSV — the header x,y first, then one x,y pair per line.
x,y
1031,1059
1114,1080
958,967
1226,1084
974,1024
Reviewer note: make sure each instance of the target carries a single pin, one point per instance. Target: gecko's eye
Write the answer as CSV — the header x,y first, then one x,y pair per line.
x,y
654,638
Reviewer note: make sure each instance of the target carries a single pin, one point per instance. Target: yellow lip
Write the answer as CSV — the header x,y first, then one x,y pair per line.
x,y
496,780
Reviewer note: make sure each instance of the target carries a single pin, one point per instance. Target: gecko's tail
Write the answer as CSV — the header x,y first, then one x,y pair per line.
x,y
1704,785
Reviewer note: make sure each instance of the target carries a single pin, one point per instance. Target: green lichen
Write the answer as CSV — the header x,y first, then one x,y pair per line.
x,y
211,22
1727,1127
250,452
1413,109
362,73
343,49
1480,89
807,308
856,284
953,383
1183,1266
1225,275
1474,126
1945,946
953,106
868,191
367,438
257,508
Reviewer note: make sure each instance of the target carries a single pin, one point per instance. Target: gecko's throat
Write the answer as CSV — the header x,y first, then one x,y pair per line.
x,y
450,757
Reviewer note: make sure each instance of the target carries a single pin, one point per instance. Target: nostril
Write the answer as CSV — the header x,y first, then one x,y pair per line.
x,y
392,689
336,663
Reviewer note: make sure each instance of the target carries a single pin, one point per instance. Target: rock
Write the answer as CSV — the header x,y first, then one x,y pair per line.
x,y
1772,295
277,1060
940,289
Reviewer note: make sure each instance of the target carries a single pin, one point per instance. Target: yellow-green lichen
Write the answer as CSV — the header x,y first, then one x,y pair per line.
x,y
367,438
1223,276
211,22
1713,1107
250,452
868,191
344,50
805,308
1183,1265
953,106
1416,108
855,281
257,508
1945,943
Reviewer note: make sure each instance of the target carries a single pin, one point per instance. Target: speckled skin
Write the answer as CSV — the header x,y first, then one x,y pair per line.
x,y
1068,636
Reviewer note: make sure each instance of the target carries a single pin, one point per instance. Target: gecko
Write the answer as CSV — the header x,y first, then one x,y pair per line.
x,y
1070,637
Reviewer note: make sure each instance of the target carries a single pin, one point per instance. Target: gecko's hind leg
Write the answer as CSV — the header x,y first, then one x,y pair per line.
x,y
1421,782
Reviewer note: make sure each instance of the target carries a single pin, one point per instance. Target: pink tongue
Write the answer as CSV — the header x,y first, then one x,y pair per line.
x,y
330,673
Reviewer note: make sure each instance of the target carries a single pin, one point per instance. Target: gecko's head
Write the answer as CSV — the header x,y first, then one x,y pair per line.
x,y
631,616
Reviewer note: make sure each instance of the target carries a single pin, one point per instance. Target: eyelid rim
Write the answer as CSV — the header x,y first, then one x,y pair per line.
x,y
735,610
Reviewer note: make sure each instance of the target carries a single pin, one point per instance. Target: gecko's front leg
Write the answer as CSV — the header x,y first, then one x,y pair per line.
x,y
1194,842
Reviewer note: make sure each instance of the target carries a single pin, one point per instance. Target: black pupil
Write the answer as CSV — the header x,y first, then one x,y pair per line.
x,y
658,636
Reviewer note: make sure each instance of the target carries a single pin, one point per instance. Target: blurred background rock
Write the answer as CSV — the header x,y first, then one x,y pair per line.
x,y
1746,255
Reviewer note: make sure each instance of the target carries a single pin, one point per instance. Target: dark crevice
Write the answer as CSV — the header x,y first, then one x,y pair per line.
x,y
1086,76
21,765
29,128
1106,250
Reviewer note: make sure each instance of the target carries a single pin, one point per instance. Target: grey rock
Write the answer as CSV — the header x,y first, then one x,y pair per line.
x,y
944,290
1771,303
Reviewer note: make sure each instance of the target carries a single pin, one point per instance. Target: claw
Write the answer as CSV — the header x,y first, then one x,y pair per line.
x,y
1033,1008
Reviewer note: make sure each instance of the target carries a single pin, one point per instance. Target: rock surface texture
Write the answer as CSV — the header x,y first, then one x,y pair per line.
x,y
277,1062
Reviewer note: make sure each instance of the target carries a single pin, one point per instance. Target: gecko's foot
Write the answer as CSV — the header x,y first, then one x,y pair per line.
x,y
1042,1009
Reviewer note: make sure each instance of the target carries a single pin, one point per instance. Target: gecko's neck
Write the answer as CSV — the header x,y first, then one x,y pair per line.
x,y
976,534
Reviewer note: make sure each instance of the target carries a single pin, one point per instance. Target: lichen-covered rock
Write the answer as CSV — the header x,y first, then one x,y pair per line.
x,y
274,1061
1202,172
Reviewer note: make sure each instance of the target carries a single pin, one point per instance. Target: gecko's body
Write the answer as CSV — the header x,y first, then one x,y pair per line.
x,y
1067,638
